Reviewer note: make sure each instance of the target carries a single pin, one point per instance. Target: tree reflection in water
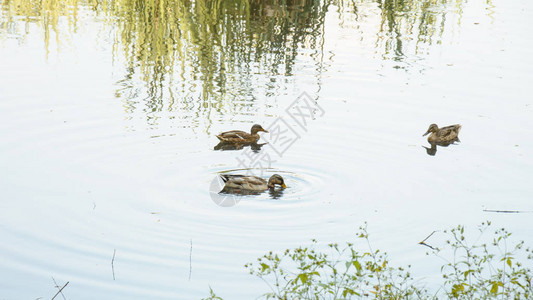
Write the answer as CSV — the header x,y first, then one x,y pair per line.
x,y
207,56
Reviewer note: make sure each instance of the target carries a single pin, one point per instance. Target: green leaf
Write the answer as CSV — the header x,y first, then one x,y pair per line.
x,y
494,288
457,288
303,278
357,265
264,267
509,262
348,291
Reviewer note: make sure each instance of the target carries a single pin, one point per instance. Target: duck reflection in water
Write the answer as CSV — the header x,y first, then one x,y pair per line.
x,y
225,146
433,150
276,193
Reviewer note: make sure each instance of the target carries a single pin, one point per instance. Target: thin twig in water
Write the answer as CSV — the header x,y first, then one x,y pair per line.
x,y
190,262
57,286
427,237
60,290
508,211
113,263
423,242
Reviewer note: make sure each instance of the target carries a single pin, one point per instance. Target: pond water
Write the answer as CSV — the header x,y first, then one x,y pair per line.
x,y
110,109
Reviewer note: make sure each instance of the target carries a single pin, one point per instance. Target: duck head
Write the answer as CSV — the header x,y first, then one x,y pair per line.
x,y
256,128
276,179
432,128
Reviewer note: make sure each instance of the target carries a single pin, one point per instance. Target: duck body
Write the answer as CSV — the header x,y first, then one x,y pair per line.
x,y
241,137
238,137
235,183
448,134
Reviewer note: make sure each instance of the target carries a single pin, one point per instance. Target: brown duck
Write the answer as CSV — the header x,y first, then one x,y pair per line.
x,y
446,134
241,137
251,183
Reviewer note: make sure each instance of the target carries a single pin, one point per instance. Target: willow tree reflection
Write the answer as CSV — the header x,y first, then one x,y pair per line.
x,y
408,27
215,55
211,50
17,15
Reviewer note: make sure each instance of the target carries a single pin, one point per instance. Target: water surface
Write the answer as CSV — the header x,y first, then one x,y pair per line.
x,y
110,109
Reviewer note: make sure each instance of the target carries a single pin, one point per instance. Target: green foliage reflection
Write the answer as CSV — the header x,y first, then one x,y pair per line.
x,y
212,50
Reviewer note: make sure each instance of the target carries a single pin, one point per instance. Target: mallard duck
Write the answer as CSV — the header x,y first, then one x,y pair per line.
x,y
241,137
250,183
443,135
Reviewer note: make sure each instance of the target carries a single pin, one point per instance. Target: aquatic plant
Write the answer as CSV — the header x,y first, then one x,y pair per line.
x,y
473,270
476,270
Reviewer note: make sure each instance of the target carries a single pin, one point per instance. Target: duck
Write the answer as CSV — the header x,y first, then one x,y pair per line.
x,y
241,137
446,134
236,183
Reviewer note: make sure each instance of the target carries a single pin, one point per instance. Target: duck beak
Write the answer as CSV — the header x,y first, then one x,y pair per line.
x,y
283,185
264,130
426,133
